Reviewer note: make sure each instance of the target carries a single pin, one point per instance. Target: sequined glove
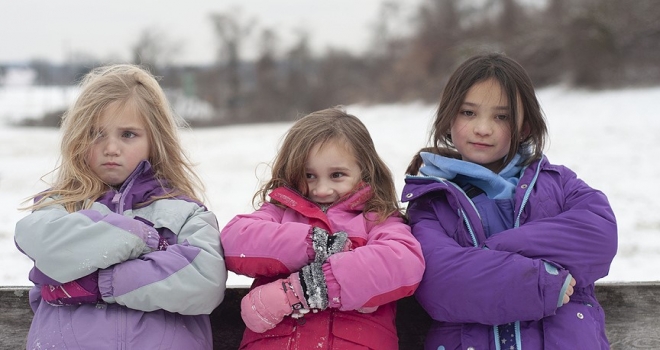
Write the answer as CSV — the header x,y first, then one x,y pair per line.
x,y
326,244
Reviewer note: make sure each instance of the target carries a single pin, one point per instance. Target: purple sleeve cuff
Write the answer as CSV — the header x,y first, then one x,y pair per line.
x,y
149,233
105,283
39,277
151,238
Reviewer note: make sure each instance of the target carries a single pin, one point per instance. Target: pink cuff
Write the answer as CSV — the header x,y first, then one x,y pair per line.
x,y
334,290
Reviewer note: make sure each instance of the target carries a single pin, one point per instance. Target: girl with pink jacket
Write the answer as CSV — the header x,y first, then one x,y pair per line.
x,y
328,248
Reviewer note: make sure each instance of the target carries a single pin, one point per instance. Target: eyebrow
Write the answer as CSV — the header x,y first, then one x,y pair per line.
x,y
130,128
499,108
123,128
332,169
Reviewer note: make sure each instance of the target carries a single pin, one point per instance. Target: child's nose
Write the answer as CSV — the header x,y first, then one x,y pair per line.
x,y
483,126
111,147
322,189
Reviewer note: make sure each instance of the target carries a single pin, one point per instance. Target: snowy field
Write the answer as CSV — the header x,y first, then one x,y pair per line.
x,y
610,138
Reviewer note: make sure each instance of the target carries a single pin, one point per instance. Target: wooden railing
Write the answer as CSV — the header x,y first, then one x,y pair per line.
x,y
632,312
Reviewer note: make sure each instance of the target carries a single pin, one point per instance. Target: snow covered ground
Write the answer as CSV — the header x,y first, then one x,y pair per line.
x,y
610,138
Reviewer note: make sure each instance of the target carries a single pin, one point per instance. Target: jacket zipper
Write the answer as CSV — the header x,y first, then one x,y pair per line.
x,y
516,224
527,193
118,200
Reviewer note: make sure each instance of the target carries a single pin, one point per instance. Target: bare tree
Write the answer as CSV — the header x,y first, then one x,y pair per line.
x,y
268,104
435,46
634,26
300,79
231,32
389,46
153,49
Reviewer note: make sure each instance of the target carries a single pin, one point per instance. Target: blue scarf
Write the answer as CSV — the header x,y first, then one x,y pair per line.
x,y
496,186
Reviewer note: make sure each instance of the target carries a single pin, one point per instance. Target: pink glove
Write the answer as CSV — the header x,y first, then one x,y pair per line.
x,y
84,290
267,305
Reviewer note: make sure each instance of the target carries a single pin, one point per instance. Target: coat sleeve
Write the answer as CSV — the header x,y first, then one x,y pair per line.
x,y
475,285
66,246
189,277
260,245
387,268
579,232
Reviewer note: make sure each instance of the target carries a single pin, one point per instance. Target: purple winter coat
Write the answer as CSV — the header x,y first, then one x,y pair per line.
x,y
472,284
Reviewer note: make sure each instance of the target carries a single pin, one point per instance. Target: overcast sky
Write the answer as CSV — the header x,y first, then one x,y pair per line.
x,y
54,30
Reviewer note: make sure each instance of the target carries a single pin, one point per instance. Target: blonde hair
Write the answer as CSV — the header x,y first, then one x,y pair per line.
x,y
326,125
76,186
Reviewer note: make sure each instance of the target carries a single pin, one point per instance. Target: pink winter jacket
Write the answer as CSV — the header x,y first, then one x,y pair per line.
x,y
384,264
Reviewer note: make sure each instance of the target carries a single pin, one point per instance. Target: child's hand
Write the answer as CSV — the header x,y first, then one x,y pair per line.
x,y
84,290
326,244
267,305
162,243
569,291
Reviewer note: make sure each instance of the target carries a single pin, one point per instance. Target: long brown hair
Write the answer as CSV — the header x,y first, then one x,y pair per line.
x,y
514,82
76,186
326,125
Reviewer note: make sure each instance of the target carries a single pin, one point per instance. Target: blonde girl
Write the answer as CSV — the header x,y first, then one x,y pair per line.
x,y
125,254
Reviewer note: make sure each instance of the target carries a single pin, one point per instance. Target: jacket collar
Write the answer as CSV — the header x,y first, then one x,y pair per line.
x,y
138,188
293,199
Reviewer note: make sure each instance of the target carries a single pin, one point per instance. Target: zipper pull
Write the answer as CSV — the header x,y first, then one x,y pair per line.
x,y
115,199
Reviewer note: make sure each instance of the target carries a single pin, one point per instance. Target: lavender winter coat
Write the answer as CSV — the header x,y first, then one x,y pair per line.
x,y
472,283
153,299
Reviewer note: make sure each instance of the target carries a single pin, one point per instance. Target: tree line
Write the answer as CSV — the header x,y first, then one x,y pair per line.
x,y
590,44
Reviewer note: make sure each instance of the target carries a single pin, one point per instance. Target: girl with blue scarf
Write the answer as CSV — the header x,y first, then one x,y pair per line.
x,y
513,244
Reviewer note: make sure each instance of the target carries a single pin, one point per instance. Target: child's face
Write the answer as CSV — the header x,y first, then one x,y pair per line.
x,y
331,171
480,132
121,144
